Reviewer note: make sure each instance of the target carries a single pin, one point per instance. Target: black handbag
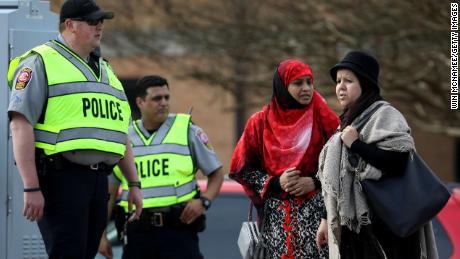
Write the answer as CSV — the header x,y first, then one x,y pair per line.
x,y
408,201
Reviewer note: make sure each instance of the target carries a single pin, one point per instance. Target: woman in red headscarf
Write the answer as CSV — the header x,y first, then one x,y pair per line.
x,y
276,160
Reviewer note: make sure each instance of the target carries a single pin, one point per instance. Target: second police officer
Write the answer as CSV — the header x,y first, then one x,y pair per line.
x,y
168,149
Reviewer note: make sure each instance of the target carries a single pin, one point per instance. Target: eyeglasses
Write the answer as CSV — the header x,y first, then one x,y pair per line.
x,y
90,22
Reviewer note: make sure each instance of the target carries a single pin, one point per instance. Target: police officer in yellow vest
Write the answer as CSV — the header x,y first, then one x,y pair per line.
x,y
69,120
168,149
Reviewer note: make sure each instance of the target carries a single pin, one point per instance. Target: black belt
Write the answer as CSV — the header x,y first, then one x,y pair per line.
x,y
166,217
162,217
58,162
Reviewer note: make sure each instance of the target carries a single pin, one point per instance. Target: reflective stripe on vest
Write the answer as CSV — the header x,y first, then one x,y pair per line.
x,y
164,191
164,163
89,87
83,111
52,138
165,148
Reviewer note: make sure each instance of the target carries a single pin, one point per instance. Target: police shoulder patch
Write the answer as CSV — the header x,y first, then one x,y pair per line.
x,y
204,139
23,78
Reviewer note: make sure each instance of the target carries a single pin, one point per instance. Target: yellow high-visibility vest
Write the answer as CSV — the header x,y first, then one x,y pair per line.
x,y
83,111
164,164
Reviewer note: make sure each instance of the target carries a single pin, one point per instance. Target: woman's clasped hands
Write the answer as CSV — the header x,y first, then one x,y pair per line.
x,y
294,184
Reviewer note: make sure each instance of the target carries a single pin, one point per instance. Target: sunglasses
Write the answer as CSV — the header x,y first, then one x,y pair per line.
x,y
90,22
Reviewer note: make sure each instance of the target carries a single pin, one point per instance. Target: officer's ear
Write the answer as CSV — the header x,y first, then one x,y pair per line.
x,y
70,25
139,101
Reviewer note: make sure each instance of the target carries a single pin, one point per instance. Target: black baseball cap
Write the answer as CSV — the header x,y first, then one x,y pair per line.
x,y
83,9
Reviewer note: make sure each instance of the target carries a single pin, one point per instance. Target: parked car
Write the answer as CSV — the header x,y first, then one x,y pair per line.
x,y
230,209
447,226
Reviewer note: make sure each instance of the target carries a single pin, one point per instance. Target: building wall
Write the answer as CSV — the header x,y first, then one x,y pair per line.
x,y
438,152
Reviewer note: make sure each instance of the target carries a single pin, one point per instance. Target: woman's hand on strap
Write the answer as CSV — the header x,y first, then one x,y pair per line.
x,y
349,135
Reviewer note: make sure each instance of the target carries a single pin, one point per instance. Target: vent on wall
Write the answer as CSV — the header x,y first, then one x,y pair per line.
x,y
33,247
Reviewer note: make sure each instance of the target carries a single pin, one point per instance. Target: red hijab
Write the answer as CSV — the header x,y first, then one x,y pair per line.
x,y
288,126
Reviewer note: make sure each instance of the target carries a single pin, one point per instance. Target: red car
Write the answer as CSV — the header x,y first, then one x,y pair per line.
x,y
447,226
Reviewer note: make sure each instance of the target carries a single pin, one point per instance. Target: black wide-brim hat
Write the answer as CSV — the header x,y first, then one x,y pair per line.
x,y
83,9
364,65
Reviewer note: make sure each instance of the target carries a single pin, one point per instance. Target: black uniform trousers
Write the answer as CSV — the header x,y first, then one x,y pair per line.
x,y
162,243
75,213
